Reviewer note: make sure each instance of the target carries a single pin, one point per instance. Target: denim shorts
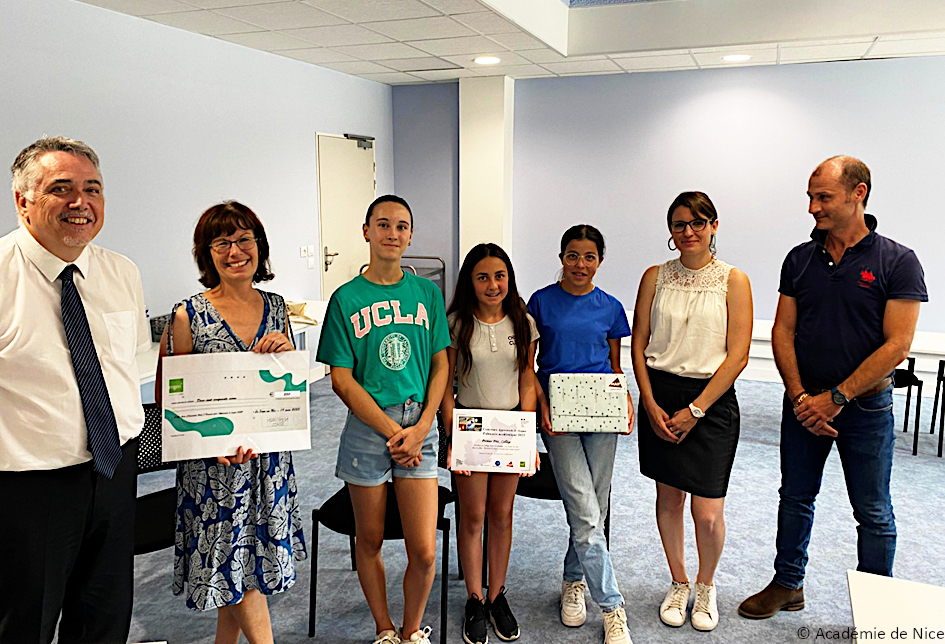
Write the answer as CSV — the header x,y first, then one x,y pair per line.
x,y
364,458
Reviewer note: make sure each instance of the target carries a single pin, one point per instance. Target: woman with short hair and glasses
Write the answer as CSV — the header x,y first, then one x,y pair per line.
x,y
239,527
691,333
580,327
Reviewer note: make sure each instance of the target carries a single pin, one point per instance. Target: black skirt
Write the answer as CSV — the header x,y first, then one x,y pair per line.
x,y
702,463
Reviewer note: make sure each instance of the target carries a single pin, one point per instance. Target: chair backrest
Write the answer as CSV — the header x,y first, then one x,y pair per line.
x,y
906,377
149,442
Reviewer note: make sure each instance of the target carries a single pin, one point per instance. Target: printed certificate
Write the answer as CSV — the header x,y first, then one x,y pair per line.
x,y
486,440
214,403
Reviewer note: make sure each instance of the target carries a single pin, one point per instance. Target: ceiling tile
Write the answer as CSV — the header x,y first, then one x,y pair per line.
x,y
542,56
454,46
813,53
604,73
317,55
266,40
760,55
456,6
444,74
282,15
358,67
736,49
487,23
647,63
915,47
420,64
515,71
420,28
218,4
639,54
518,41
393,78
375,9
338,35
141,7
508,58
583,66
834,41
915,36
204,22
384,51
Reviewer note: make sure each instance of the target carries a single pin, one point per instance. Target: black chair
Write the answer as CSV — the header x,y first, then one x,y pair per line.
x,y
154,512
939,388
542,485
907,378
337,515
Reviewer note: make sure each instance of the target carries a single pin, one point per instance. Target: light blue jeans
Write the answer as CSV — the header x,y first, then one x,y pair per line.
x,y
584,465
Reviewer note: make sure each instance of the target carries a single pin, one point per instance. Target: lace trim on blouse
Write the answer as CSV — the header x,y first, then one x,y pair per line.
x,y
713,277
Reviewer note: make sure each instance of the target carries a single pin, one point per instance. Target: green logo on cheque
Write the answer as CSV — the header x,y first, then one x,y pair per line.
x,y
395,351
175,386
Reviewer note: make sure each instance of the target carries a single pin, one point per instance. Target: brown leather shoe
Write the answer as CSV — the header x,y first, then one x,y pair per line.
x,y
772,599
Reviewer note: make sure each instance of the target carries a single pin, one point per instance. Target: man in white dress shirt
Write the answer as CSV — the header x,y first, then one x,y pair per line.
x,y
72,318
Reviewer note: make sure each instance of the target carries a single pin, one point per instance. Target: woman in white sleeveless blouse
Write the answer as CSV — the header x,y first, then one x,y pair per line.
x,y
691,333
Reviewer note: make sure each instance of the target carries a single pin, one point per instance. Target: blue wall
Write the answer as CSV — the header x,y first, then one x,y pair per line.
x,y
426,167
181,121
615,150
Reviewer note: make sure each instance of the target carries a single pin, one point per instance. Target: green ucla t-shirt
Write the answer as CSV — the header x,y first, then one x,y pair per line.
x,y
386,334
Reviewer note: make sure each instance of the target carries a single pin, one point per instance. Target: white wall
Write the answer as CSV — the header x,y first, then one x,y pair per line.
x,y
181,121
615,150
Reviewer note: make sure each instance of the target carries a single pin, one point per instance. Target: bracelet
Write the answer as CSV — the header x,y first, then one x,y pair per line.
x,y
801,397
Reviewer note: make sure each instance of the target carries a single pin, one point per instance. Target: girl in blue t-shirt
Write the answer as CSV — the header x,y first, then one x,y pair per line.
x,y
580,328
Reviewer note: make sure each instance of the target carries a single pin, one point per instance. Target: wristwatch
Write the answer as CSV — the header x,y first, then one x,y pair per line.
x,y
696,412
838,397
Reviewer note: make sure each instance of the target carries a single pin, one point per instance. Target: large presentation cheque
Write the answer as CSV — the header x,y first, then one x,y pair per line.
x,y
485,440
214,403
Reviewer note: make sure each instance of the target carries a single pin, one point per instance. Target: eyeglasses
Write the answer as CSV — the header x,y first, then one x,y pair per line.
x,y
572,258
696,225
223,246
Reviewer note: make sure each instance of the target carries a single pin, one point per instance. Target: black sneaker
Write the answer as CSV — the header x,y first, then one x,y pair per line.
x,y
475,629
503,621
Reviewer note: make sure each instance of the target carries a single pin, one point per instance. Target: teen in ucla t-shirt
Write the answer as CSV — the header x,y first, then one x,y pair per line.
x,y
385,337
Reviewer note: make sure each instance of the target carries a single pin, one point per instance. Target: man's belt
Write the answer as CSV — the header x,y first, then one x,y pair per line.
x,y
884,383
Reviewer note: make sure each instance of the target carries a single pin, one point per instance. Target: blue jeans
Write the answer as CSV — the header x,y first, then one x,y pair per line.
x,y
584,465
866,435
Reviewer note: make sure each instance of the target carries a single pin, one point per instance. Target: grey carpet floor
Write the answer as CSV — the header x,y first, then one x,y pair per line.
x,y
540,540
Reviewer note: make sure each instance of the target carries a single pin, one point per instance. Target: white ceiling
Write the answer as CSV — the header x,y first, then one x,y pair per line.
x,y
417,41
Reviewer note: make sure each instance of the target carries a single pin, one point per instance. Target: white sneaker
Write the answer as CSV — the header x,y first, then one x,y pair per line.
x,y
615,627
673,608
387,637
421,637
573,608
705,608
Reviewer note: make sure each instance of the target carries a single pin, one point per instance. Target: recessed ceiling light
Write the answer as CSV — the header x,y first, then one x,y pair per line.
x,y
736,58
487,60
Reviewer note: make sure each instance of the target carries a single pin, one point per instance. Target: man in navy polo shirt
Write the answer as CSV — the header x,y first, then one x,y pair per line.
x,y
846,316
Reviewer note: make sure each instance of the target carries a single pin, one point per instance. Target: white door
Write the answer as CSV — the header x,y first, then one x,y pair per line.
x,y
346,187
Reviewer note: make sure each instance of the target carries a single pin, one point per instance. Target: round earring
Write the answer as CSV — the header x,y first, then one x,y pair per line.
x,y
712,248
669,244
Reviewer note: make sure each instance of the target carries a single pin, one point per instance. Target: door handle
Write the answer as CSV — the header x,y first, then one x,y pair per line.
x,y
329,258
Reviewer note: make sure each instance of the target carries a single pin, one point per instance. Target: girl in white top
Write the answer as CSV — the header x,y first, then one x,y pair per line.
x,y
691,333
491,354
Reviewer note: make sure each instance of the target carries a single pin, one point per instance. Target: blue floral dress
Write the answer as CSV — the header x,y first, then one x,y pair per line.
x,y
238,527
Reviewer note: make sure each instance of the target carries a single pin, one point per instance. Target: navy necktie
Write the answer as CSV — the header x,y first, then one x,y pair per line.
x,y
96,405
